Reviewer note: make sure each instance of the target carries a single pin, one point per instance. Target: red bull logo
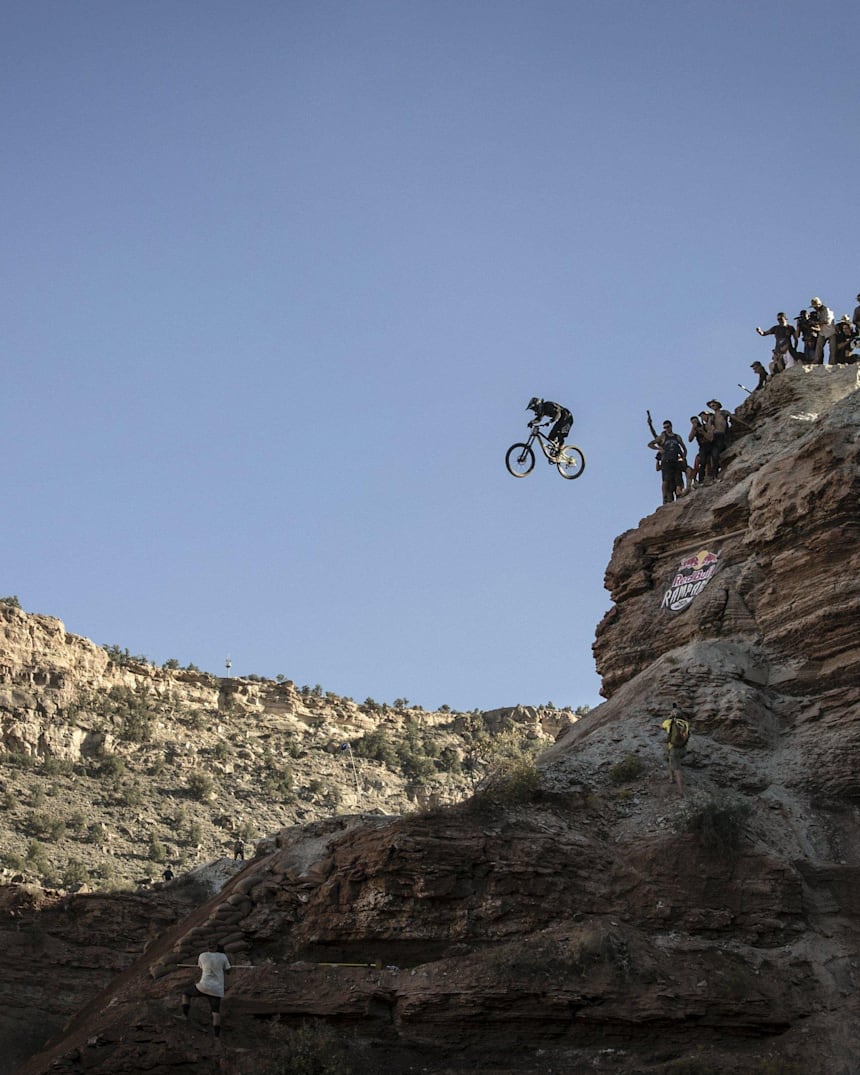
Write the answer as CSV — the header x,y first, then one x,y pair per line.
x,y
691,576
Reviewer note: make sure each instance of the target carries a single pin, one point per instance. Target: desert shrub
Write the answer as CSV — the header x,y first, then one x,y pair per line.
x,y
278,782
717,823
130,795
449,761
53,766
13,861
376,747
74,873
48,826
95,832
37,856
195,834
221,751
18,759
311,1049
8,799
10,602
200,785
626,770
156,851
37,795
246,831
112,766
513,780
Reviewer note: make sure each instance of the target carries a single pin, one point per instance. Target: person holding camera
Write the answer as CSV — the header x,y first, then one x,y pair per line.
x,y
700,433
842,343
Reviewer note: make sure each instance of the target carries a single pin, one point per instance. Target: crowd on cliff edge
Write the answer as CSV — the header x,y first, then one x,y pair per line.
x,y
803,343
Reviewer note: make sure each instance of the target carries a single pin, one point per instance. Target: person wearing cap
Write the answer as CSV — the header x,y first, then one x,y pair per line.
x,y
826,328
718,423
758,368
842,343
785,343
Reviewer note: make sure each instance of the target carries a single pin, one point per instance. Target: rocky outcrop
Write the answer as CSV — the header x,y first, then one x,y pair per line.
x,y
782,528
588,916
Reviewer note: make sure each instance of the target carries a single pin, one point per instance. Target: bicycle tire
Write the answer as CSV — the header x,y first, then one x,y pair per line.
x,y
520,460
571,462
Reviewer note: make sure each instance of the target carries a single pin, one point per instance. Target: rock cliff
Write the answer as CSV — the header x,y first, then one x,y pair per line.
x,y
584,915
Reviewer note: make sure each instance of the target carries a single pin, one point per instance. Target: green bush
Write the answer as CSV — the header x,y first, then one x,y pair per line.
x,y
130,795
628,769
717,824
200,785
112,766
74,873
48,826
96,832
11,601
156,851
311,1049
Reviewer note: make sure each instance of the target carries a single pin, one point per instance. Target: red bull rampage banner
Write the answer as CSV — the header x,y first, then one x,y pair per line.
x,y
691,577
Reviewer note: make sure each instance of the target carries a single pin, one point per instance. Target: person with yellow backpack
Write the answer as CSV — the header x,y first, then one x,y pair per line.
x,y
677,730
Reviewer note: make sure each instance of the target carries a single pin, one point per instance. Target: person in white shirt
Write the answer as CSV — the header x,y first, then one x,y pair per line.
x,y
826,328
213,965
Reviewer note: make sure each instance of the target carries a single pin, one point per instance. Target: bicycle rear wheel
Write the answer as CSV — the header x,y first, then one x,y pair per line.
x,y
571,462
520,460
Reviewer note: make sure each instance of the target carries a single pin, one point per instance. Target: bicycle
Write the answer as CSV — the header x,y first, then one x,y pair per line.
x,y
520,458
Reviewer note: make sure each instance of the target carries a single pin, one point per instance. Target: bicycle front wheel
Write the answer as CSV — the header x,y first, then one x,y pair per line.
x,y
520,460
571,462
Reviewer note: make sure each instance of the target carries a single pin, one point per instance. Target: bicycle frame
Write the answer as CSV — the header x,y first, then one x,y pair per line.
x,y
547,446
520,458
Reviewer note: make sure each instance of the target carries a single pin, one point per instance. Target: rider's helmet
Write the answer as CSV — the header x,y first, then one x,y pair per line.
x,y
534,404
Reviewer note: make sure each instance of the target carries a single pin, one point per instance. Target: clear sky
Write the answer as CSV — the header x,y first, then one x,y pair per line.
x,y
279,279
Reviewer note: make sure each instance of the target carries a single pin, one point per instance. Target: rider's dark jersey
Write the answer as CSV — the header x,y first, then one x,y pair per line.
x,y
548,409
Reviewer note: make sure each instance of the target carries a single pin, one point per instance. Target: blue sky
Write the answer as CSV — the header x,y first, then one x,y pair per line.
x,y
280,279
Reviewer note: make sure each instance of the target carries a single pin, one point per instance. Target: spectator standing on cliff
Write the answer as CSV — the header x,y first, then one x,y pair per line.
x,y
826,329
701,435
213,964
842,343
856,317
239,850
718,423
785,342
673,461
807,331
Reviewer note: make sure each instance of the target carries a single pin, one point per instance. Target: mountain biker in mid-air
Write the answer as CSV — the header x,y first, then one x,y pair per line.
x,y
545,408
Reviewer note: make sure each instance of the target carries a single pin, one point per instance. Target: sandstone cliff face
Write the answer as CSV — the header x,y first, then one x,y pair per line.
x,y
598,921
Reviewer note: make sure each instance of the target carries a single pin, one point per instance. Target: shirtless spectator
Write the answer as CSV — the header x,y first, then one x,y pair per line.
x,y
842,343
700,433
673,462
826,328
758,368
807,331
718,423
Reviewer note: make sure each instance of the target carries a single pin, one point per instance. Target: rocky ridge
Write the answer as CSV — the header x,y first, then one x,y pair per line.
x,y
112,767
584,916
